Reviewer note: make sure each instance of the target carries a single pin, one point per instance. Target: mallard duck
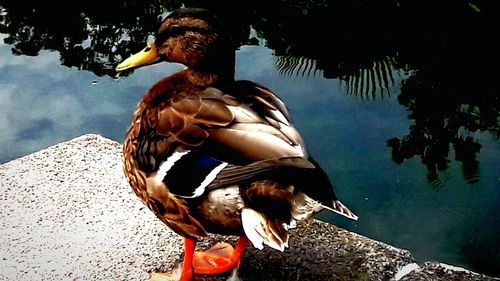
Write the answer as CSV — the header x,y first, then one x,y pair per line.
x,y
208,154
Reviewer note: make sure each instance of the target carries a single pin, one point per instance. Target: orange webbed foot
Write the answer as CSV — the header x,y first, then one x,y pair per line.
x,y
222,257
215,260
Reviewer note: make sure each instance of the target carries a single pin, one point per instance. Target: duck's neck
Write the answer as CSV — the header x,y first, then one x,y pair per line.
x,y
212,70
206,79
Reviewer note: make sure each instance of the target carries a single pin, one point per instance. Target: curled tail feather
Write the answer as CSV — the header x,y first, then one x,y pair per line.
x,y
341,209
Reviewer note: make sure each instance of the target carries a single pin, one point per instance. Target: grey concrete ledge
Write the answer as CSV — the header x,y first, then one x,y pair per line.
x,y
67,213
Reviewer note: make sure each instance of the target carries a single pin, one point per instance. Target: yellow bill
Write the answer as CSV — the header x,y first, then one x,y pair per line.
x,y
148,55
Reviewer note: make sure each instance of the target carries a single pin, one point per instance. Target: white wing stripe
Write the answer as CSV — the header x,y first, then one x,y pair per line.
x,y
166,165
210,177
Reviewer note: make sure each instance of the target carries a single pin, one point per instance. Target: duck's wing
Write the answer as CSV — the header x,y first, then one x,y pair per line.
x,y
185,139
253,126
239,130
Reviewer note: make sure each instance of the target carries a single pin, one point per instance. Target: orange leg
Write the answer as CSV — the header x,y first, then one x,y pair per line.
x,y
187,264
240,250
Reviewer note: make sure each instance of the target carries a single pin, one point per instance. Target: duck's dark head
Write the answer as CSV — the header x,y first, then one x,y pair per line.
x,y
191,36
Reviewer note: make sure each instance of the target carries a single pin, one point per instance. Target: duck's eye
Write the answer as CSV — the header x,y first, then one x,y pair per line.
x,y
175,27
176,30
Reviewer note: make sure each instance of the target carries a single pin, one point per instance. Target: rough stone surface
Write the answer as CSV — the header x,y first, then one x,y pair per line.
x,y
67,213
440,271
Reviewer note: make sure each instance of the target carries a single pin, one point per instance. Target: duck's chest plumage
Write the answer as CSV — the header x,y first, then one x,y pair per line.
x,y
182,138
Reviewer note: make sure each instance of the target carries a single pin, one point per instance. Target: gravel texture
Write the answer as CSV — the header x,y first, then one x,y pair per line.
x,y
67,213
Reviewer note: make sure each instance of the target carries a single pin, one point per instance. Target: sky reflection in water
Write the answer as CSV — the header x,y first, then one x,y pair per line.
x,y
43,103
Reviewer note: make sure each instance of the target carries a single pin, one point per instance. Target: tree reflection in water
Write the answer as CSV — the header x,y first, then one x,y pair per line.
x,y
448,51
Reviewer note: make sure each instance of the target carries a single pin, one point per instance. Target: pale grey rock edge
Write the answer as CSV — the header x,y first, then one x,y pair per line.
x,y
67,213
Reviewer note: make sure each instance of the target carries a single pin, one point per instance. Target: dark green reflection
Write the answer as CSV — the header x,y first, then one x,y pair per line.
x,y
88,35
